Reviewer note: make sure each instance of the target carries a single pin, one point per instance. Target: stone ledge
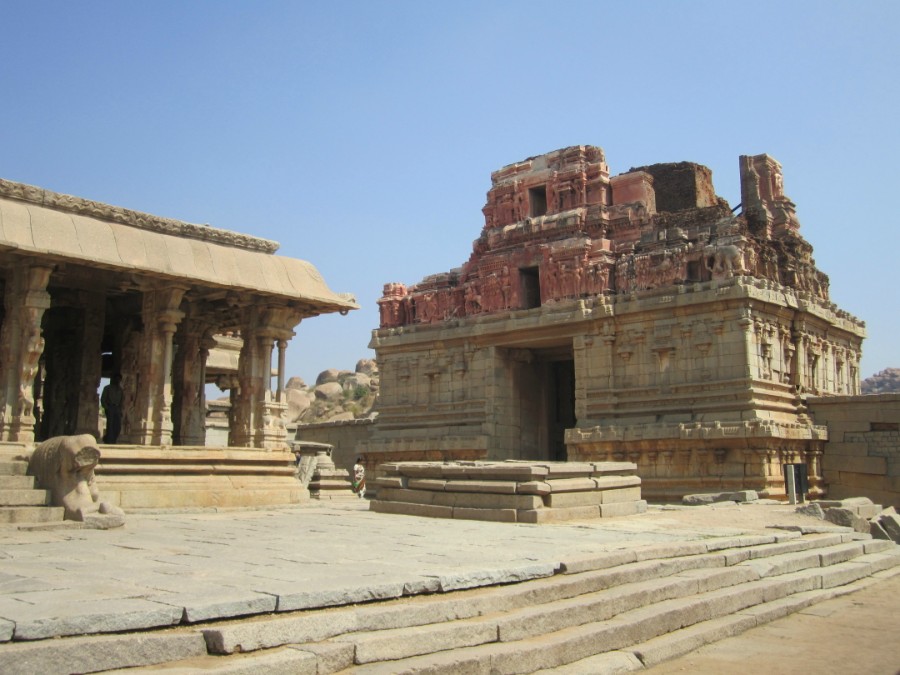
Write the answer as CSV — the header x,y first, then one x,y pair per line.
x,y
513,491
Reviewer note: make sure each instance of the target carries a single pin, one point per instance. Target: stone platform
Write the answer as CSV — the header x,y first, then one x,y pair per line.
x,y
509,491
146,477
325,589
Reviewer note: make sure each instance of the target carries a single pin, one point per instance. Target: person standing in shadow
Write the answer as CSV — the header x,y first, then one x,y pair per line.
x,y
111,399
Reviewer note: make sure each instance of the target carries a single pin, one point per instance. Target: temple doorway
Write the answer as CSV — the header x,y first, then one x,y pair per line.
x,y
535,403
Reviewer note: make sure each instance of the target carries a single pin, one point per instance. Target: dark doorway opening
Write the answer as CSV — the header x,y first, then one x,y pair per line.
x,y
536,403
537,201
561,406
530,279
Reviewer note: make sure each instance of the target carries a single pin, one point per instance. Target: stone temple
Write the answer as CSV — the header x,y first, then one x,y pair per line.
x,y
92,290
636,317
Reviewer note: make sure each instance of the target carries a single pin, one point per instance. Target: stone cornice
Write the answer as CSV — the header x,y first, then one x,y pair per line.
x,y
145,221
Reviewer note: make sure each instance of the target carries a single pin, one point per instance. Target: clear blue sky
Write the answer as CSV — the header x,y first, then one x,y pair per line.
x,y
361,135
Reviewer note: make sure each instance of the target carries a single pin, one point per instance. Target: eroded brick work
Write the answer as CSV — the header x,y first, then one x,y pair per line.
x,y
633,317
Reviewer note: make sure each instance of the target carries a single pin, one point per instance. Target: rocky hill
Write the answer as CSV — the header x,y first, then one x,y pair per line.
x,y
337,394
885,382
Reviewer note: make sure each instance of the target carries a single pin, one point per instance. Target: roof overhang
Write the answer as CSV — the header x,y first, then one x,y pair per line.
x,y
203,256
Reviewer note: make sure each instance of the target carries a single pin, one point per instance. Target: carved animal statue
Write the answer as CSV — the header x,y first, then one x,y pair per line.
x,y
728,260
64,465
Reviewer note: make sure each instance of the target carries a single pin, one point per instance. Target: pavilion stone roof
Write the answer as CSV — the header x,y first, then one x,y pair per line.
x,y
61,227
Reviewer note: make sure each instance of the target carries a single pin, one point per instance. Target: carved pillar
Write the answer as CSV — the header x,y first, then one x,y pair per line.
x,y
148,420
798,372
189,382
257,416
745,322
282,348
21,345
91,365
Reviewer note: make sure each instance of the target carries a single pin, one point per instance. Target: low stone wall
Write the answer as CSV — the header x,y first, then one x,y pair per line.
x,y
343,436
511,491
862,456
143,477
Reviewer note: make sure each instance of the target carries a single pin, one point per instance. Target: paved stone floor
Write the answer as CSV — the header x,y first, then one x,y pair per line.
x,y
215,565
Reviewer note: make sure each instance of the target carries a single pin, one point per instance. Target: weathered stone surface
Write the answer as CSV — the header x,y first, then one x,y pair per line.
x,y
412,641
685,641
498,515
891,524
877,531
534,488
605,482
79,616
250,636
481,500
96,653
277,662
426,510
226,603
64,466
329,391
555,515
651,243
847,518
813,509
583,498
331,657
613,468
572,484
597,562
339,592
426,484
698,499
716,497
498,486
622,508
408,496
475,578
632,494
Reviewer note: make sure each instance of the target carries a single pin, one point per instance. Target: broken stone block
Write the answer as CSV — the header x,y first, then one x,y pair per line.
x,y
743,496
847,518
698,500
813,510
877,531
891,525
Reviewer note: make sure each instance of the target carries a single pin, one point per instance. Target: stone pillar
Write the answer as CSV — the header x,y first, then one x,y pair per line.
x,y
282,348
91,365
189,384
257,416
751,361
148,420
21,345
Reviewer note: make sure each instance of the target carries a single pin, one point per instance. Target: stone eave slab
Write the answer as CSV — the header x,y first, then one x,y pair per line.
x,y
59,236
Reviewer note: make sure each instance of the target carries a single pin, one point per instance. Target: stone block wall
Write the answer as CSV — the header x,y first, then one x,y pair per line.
x,y
345,436
862,456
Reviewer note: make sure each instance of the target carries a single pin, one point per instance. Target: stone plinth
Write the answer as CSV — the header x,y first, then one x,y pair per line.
x,y
135,477
510,491
316,471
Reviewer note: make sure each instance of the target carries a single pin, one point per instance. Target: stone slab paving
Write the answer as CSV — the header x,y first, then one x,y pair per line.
x,y
163,569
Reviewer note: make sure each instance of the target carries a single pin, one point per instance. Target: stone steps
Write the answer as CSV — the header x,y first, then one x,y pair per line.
x,y
13,467
620,609
21,503
16,482
32,497
10,515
